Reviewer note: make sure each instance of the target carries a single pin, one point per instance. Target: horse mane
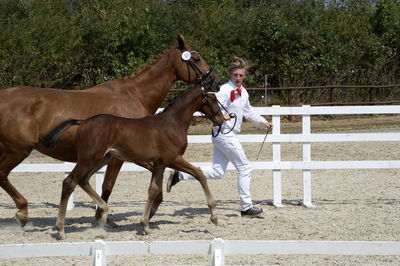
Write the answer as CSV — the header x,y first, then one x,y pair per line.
x,y
153,61
180,95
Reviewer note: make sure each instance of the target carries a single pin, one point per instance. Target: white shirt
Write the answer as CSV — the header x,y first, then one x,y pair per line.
x,y
240,106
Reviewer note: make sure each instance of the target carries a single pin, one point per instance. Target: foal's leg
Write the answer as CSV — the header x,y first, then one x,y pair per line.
x,y
101,204
159,198
154,193
68,186
113,168
8,161
157,201
80,175
102,207
182,165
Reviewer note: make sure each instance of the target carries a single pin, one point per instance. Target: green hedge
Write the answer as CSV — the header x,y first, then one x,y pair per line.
x,y
80,43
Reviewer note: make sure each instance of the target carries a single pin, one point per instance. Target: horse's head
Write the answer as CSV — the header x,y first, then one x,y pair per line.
x,y
190,65
209,104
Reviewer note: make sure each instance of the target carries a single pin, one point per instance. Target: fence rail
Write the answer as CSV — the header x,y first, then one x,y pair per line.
x,y
216,249
370,98
276,138
318,87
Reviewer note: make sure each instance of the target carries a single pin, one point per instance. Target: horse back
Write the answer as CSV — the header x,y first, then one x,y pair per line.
x,y
45,108
135,140
28,114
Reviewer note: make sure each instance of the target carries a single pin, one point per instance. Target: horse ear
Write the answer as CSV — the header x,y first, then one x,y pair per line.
x,y
181,41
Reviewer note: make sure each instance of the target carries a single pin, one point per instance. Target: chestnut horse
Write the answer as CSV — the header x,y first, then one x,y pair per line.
x,y
159,139
28,114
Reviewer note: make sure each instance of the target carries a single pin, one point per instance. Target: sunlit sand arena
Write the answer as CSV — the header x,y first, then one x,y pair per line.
x,y
354,205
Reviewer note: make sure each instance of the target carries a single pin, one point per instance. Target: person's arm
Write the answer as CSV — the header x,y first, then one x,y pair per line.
x,y
250,114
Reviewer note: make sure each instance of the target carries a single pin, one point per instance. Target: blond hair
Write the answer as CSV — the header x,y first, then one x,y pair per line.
x,y
238,63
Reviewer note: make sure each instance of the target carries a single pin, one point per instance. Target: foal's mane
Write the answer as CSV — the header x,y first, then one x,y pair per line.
x,y
150,63
179,96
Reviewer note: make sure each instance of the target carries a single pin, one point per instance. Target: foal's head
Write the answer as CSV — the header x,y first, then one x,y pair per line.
x,y
190,65
210,105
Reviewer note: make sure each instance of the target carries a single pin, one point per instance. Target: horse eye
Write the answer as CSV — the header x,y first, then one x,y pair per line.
x,y
196,59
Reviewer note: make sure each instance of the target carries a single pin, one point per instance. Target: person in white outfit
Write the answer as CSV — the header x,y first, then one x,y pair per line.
x,y
227,148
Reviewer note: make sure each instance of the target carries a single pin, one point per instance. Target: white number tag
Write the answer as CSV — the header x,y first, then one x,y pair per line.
x,y
186,56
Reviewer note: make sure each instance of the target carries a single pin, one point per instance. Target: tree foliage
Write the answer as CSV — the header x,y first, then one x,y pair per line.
x,y
77,44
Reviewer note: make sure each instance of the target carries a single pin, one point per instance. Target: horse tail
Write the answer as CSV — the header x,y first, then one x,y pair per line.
x,y
50,139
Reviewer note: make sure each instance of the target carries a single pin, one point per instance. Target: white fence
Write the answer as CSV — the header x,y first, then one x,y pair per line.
x,y
216,249
276,138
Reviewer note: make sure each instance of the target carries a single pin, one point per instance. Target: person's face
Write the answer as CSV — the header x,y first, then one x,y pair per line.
x,y
237,76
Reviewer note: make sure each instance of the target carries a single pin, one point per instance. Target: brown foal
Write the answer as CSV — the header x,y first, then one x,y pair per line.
x,y
160,139
28,114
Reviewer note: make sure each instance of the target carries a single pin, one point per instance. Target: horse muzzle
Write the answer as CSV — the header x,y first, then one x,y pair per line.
x,y
218,120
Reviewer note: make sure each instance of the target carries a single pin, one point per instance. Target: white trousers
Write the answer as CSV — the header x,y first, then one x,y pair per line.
x,y
227,148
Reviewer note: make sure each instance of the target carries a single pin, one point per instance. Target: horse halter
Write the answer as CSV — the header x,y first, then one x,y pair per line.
x,y
187,58
205,93
231,115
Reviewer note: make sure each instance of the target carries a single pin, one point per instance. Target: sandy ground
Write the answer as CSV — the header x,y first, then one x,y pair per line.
x,y
350,205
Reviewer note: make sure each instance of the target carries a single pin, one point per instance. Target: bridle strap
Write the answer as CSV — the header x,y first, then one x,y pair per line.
x,y
231,115
202,76
202,79
204,94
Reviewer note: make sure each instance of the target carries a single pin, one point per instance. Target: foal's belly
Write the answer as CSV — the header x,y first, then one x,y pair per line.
x,y
132,156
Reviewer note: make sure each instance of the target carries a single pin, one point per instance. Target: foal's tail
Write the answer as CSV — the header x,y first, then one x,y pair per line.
x,y
50,139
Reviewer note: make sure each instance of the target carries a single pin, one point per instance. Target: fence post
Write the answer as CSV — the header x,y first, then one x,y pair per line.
x,y
70,204
290,103
217,252
276,158
306,126
99,253
99,182
265,90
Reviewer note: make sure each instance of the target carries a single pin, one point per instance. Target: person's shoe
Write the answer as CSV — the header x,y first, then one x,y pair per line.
x,y
253,211
172,180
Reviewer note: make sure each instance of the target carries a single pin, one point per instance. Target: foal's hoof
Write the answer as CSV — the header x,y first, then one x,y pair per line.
x,y
61,235
21,218
111,224
146,229
214,220
60,232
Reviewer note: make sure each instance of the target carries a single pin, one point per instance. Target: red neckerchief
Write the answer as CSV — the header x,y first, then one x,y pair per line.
x,y
238,90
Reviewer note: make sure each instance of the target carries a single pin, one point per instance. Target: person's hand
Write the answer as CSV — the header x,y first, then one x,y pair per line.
x,y
269,126
227,117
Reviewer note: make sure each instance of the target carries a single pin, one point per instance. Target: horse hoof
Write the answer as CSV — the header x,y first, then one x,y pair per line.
x,y
146,229
111,224
100,214
61,235
214,220
21,219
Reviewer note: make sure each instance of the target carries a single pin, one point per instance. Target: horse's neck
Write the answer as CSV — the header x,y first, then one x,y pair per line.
x,y
183,108
152,84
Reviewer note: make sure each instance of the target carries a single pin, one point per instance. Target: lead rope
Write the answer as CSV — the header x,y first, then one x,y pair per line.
x,y
262,144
